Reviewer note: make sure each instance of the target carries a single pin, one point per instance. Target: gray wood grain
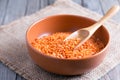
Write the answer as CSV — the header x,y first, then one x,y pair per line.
x,y
3,7
51,2
93,5
6,74
18,77
32,6
43,3
15,10
106,4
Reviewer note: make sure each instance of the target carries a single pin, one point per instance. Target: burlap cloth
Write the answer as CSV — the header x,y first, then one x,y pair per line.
x,y
14,54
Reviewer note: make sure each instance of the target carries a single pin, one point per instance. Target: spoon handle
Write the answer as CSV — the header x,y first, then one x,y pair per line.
x,y
108,15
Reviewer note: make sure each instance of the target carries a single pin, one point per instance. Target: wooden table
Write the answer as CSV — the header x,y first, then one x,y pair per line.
x,y
11,10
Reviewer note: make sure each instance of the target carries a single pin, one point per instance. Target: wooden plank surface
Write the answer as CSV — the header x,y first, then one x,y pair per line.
x,y
6,73
43,3
32,6
3,7
106,4
93,5
51,2
14,9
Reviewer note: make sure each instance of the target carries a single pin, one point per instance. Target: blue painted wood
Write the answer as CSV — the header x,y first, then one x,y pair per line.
x,y
51,2
3,7
6,73
43,3
32,6
93,5
15,10
106,4
18,77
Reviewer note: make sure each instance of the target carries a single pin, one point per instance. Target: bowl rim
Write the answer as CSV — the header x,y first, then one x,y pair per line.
x,y
58,15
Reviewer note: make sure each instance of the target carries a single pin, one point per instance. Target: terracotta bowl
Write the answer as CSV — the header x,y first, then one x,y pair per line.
x,y
65,23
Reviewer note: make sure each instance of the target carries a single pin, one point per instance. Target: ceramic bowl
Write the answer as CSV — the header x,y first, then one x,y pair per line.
x,y
65,23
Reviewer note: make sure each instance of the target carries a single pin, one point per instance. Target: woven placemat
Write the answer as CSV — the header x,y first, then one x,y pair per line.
x,y
14,54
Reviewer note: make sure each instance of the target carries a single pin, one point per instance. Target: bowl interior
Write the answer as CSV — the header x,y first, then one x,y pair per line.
x,y
64,23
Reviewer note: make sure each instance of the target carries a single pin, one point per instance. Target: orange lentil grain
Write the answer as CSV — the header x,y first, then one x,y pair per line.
x,y
54,45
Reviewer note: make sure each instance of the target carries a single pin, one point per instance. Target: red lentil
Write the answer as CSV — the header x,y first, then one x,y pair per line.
x,y
54,45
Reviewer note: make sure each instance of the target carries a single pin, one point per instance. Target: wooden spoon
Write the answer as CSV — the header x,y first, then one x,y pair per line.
x,y
85,33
